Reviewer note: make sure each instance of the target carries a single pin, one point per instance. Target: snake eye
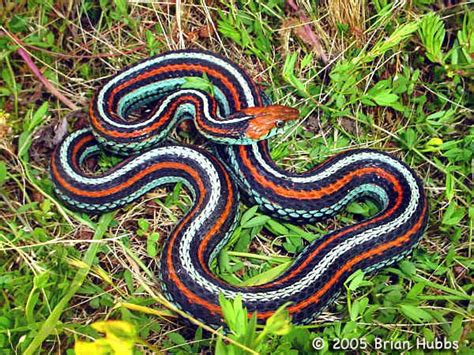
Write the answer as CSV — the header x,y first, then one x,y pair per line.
x,y
279,124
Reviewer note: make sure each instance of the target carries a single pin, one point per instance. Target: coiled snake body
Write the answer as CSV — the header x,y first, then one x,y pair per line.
x,y
237,118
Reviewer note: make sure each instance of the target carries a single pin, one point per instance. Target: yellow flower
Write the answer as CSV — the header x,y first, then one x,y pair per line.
x,y
119,339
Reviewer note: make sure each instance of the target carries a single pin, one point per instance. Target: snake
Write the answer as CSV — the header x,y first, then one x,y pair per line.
x,y
231,111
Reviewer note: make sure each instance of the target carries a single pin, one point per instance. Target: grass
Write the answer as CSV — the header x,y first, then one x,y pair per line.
x,y
395,76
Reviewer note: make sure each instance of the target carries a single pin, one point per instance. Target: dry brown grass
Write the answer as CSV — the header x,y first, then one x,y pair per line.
x,y
350,13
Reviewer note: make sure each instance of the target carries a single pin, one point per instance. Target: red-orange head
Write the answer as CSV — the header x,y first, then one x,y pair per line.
x,y
266,121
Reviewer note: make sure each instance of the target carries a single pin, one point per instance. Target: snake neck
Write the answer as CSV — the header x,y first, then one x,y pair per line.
x,y
217,117
117,133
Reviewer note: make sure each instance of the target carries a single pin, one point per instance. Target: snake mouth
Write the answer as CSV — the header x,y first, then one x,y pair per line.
x,y
268,119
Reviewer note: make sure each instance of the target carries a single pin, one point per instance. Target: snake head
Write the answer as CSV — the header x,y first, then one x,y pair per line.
x,y
265,122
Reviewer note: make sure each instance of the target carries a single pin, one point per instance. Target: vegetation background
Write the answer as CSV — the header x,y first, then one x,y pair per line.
x,y
391,75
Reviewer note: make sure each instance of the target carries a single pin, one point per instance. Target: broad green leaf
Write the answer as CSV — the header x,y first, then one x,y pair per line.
x,y
415,290
385,98
357,208
143,224
415,313
203,84
276,227
178,339
121,6
267,276
279,323
356,280
432,33
224,262
300,232
248,214
408,137
256,221
38,116
456,328
449,186
358,307
408,268
41,280
453,215
151,243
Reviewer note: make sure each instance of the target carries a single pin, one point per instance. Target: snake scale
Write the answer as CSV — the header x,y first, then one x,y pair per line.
x,y
238,119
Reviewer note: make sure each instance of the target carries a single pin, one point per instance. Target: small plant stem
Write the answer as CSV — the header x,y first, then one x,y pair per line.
x,y
277,259
53,90
147,310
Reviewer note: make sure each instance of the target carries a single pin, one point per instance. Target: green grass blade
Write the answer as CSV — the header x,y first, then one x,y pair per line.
x,y
49,325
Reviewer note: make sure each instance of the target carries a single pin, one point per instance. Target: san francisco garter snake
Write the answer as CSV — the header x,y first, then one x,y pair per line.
x,y
235,116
